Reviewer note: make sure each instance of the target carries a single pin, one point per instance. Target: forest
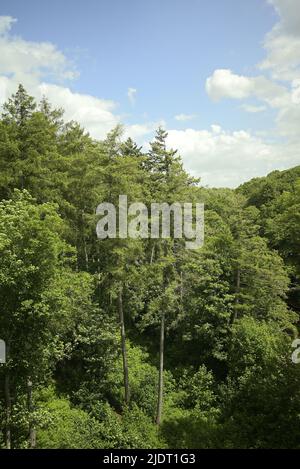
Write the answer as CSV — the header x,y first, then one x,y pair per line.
x,y
141,343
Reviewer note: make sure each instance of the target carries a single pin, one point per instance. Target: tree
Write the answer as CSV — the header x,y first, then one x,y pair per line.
x,y
28,147
260,400
120,175
169,183
34,275
19,107
130,148
30,247
103,335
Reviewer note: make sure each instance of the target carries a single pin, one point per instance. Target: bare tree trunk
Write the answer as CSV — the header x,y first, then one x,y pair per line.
x,y
161,371
7,404
81,245
152,254
86,256
237,291
181,287
123,346
32,431
99,281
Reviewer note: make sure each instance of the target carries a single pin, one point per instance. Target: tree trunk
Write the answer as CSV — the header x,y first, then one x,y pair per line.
x,y
161,371
152,254
32,431
7,395
181,287
99,281
237,291
86,256
123,346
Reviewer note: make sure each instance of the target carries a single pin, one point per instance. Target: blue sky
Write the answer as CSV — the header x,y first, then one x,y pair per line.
x,y
230,64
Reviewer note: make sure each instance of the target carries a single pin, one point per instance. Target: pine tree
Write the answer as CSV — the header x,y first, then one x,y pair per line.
x,y
130,148
19,108
168,182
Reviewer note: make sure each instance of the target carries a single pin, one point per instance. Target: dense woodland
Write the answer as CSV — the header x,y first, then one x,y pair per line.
x,y
134,343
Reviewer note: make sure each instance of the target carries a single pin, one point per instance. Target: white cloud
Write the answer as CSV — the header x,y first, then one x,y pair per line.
x,y
216,129
29,61
95,114
282,90
223,158
296,91
225,84
6,23
220,157
288,10
32,63
184,117
288,123
140,132
253,109
131,93
283,56
283,42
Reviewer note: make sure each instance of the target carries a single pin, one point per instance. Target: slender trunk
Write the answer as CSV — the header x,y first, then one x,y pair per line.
x,y
7,404
86,256
161,371
99,281
237,291
152,254
32,431
181,287
123,346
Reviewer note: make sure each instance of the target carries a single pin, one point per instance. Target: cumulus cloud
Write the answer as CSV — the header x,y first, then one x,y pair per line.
x,y
33,63
226,158
223,158
94,113
29,61
140,132
6,23
282,90
282,43
225,84
253,109
288,123
131,93
218,156
184,117
296,91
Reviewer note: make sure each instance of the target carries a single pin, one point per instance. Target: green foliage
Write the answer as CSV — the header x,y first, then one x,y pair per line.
x,y
63,426
227,312
262,383
189,429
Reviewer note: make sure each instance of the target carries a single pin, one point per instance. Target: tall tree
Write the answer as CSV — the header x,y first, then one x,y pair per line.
x,y
169,183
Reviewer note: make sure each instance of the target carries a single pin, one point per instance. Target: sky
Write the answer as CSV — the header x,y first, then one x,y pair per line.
x,y
222,76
